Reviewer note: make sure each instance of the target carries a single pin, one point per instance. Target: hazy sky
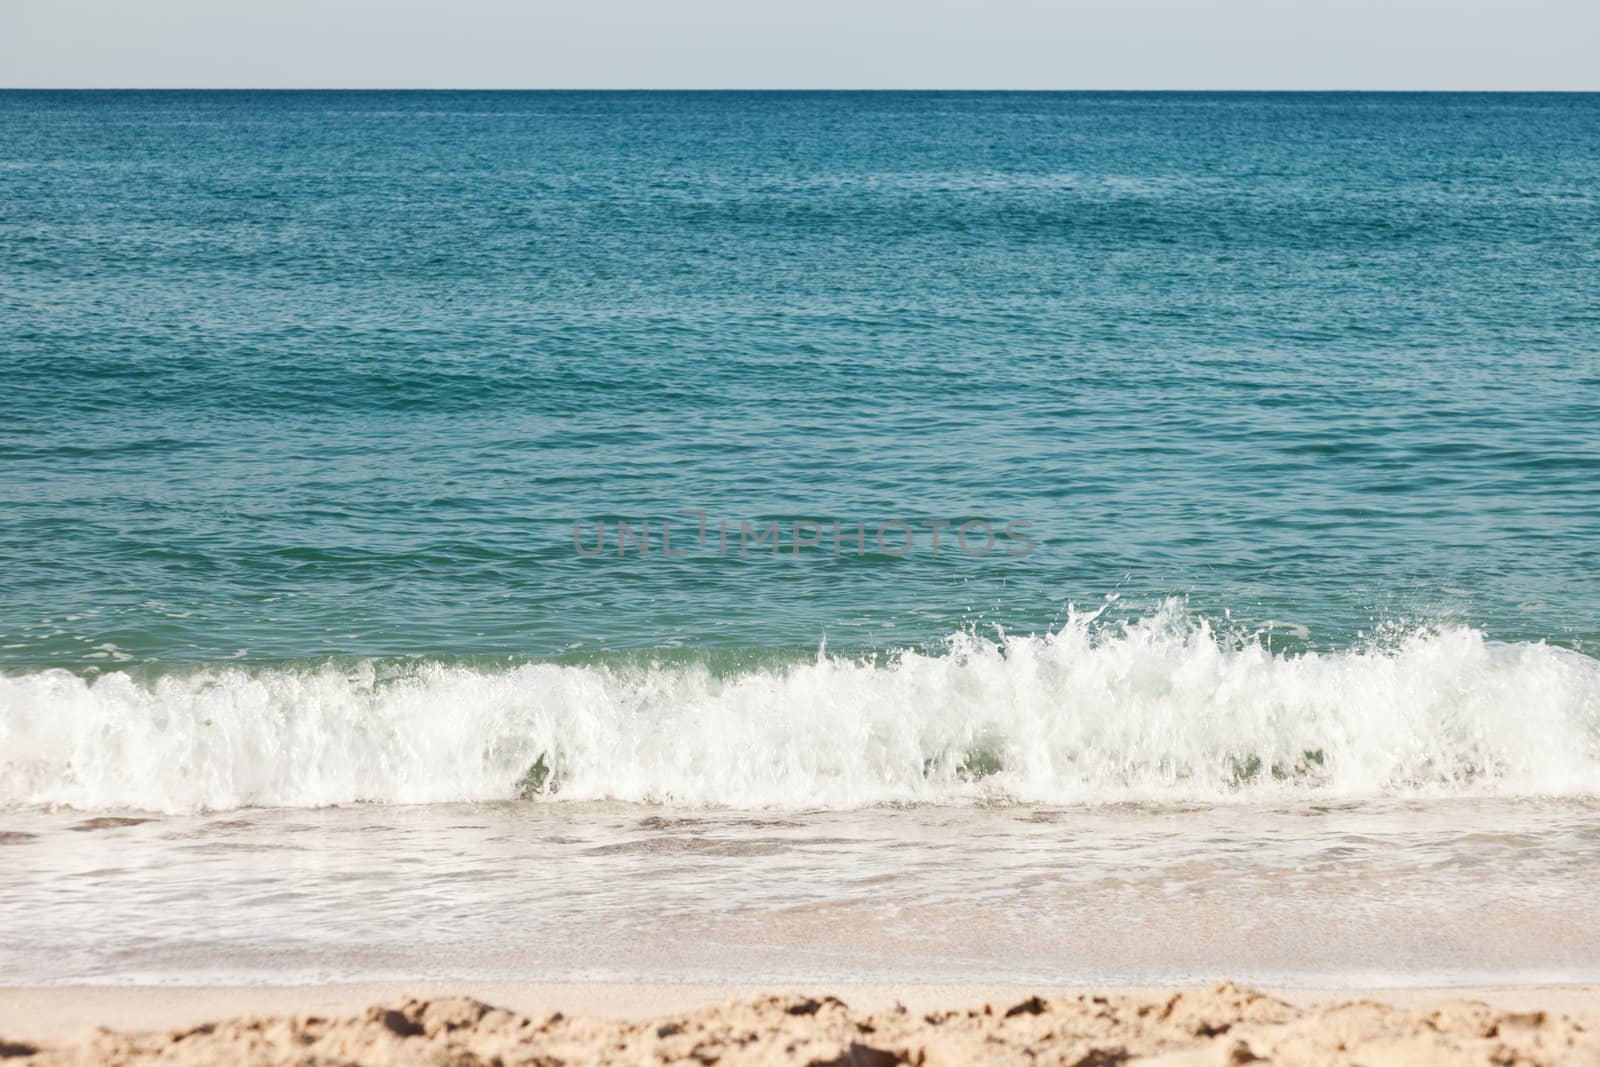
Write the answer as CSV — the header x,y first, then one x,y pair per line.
x,y
1023,44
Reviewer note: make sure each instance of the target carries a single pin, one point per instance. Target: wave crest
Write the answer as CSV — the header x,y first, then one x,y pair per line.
x,y
1159,708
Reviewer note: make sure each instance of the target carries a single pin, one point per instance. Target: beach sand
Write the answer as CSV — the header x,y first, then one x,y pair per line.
x,y
509,1024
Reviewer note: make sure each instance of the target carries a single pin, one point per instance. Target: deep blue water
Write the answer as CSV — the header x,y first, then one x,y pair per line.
x,y
288,376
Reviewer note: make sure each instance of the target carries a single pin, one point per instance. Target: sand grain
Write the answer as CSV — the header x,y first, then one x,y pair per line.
x,y
1223,1025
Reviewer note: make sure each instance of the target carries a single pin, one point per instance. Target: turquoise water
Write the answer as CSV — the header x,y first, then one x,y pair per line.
x,y
303,394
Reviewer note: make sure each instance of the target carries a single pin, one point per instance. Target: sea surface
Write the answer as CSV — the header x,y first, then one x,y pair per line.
x,y
799,536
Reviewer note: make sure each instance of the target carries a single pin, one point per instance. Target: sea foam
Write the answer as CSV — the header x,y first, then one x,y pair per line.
x,y
1160,708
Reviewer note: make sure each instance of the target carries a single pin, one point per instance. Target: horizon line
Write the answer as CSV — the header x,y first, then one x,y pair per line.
x,y
737,89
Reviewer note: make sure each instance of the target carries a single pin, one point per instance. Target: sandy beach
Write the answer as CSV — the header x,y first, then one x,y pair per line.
x,y
534,1023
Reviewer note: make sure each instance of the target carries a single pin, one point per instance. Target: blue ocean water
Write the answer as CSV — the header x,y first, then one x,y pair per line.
x,y
312,404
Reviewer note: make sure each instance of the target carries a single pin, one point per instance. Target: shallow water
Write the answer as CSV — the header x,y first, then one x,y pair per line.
x,y
1374,893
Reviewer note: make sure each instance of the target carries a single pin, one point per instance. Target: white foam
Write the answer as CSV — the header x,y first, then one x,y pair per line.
x,y
1160,708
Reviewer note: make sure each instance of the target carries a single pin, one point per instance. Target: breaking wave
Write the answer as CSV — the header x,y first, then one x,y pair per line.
x,y
1158,708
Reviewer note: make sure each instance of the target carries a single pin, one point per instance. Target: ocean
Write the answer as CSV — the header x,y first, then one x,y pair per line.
x,y
757,536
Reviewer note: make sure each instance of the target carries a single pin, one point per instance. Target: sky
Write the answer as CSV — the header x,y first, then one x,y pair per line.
x,y
832,44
